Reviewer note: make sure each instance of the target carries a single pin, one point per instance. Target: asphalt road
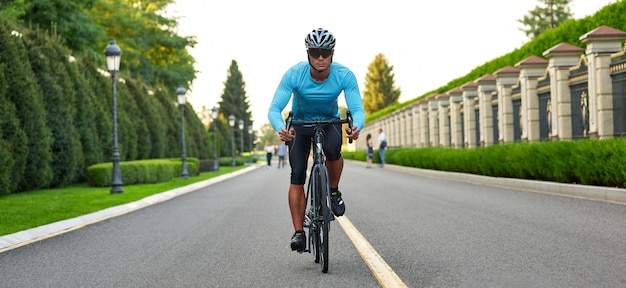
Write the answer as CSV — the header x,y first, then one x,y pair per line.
x,y
432,232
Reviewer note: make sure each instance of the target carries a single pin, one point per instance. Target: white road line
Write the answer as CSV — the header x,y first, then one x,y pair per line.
x,y
383,272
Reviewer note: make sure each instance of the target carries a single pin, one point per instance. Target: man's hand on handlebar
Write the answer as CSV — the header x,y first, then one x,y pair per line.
x,y
284,136
353,133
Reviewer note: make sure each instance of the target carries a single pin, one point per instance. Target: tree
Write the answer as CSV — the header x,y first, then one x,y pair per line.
x,y
234,102
98,88
32,164
85,112
66,18
13,10
12,141
380,90
152,51
153,142
59,99
547,15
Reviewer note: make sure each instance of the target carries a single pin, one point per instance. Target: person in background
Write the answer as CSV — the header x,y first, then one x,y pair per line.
x,y
370,150
281,154
269,150
382,145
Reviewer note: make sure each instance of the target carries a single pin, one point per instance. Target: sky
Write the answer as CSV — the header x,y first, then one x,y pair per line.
x,y
427,43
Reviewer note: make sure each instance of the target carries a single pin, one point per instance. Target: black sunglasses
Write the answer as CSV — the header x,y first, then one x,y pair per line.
x,y
316,53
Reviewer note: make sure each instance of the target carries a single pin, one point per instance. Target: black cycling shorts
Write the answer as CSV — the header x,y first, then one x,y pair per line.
x,y
300,148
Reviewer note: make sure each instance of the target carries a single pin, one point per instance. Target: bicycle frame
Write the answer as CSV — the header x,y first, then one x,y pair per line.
x,y
318,190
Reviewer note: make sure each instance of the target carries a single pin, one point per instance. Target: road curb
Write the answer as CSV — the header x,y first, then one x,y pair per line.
x,y
606,194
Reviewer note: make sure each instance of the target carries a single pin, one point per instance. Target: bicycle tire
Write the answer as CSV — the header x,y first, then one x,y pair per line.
x,y
314,230
324,227
315,242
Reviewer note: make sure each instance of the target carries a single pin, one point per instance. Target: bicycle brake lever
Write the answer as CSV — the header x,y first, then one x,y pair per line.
x,y
288,125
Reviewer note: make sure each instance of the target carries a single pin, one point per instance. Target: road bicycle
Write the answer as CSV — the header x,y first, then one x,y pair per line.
x,y
319,208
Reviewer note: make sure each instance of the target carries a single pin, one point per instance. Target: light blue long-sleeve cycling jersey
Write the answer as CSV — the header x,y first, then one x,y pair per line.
x,y
316,100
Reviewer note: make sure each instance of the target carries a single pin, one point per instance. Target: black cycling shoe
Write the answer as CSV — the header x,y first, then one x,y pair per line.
x,y
337,203
297,241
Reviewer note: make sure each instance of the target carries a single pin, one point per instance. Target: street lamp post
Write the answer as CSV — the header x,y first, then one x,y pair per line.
x,y
215,164
113,54
180,94
241,135
251,141
250,131
231,122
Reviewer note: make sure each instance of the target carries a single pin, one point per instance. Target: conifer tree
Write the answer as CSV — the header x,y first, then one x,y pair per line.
x,y
380,90
547,15
13,142
23,91
58,94
234,102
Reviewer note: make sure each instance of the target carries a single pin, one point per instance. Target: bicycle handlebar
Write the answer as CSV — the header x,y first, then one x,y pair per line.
x,y
289,122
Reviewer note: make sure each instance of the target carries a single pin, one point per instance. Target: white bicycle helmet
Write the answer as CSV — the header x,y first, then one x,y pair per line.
x,y
320,38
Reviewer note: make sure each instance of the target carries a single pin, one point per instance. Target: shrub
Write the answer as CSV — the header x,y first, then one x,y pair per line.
x,y
588,161
141,171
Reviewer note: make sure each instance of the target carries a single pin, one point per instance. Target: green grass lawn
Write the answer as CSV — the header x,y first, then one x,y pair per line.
x,y
21,211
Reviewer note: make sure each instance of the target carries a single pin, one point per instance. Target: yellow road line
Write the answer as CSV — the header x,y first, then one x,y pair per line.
x,y
383,272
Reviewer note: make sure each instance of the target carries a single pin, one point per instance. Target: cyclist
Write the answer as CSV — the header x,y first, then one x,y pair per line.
x,y
315,86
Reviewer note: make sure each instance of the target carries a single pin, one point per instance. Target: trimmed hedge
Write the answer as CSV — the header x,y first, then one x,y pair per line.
x,y
141,171
589,162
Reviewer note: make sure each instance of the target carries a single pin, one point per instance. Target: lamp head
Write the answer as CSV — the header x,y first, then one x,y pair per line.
x,y
180,94
113,55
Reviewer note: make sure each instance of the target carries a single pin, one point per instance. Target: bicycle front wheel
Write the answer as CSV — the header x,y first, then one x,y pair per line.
x,y
314,210
323,196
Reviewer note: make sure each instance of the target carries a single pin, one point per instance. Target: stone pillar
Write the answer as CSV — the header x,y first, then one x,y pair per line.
x,y
408,127
531,69
424,127
392,137
433,118
486,86
560,58
601,43
403,128
399,128
416,125
470,92
443,102
506,78
456,126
